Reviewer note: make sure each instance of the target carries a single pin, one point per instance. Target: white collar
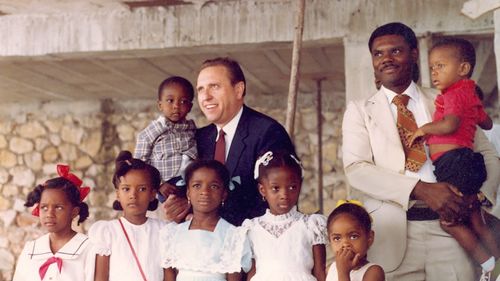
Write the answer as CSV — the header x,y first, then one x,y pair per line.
x,y
411,91
230,128
70,250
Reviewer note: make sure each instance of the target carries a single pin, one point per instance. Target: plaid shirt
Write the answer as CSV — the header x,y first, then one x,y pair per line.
x,y
163,143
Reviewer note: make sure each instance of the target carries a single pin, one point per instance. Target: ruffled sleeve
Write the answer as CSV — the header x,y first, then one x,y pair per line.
x,y
167,236
317,225
100,236
236,253
249,224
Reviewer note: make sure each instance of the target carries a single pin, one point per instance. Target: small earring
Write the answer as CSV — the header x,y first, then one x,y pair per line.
x,y
263,199
222,204
189,201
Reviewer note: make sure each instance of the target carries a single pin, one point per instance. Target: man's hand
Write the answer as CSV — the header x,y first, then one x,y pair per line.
x,y
443,198
166,189
418,133
176,208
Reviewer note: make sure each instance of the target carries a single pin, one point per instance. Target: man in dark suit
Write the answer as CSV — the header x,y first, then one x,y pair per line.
x,y
221,89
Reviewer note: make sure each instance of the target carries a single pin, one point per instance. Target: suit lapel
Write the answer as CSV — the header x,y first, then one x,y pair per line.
x,y
206,148
380,115
238,144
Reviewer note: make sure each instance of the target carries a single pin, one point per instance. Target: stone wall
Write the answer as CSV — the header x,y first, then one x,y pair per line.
x,y
88,135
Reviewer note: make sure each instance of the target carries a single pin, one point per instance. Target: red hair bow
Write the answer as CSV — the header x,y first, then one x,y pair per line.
x,y
63,171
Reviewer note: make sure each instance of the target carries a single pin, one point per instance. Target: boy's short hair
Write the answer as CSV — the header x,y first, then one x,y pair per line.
x,y
186,86
395,28
465,50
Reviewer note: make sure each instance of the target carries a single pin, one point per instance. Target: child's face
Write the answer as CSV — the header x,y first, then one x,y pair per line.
x,y
134,193
446,67
346,232
175,103
206,191
56,211
281,189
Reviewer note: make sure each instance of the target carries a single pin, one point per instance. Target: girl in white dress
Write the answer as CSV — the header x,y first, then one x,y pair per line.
x,y
206,248
62,254
350,235
127,247
286,244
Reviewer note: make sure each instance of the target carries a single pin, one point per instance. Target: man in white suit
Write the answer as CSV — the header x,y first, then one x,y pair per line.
x,y
405,206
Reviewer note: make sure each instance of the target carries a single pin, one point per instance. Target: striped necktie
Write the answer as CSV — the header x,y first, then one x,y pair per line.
x,y
415,155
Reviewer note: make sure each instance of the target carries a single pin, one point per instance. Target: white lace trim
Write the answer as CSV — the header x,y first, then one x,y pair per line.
x,y
277,225
232,251
317,225
269,217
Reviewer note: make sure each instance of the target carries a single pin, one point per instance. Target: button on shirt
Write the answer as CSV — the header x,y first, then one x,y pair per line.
x,y
422,116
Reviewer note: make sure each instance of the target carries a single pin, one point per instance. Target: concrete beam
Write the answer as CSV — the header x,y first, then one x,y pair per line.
x,y
222,23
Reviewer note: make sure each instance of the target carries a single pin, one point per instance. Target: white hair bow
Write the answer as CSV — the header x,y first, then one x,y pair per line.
x,y
263,160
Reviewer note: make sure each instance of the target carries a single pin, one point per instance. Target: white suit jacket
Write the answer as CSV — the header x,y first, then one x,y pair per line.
x,y
374,164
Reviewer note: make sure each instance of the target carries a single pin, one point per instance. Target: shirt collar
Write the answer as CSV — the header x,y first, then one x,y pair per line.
x,y
411,91
464,83
230,128
70,250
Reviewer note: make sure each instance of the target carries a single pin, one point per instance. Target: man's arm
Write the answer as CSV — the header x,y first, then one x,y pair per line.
x,y
276,137
483,146
360,168
375,178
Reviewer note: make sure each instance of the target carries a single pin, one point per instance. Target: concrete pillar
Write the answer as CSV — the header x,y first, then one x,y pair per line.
x,y
496,17
424,44
360,81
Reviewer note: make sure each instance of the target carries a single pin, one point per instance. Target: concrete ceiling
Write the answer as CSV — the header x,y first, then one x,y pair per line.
x,y
123,75
119,75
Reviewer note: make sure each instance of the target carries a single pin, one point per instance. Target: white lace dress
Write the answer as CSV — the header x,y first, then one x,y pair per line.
x,y
282,245
356,275
201,255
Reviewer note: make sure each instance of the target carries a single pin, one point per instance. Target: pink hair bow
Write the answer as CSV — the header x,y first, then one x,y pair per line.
x,y
63,171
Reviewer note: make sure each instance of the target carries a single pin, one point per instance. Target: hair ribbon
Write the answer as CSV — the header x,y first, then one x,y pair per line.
x,y
63,171
350,201
263,160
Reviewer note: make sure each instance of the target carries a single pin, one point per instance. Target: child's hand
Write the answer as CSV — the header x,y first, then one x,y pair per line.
x,y
418,133
346,260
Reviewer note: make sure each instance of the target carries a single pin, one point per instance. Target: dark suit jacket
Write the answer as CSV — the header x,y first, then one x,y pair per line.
x,y
256,133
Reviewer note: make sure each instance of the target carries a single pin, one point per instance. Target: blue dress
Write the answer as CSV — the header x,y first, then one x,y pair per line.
x,y
201,255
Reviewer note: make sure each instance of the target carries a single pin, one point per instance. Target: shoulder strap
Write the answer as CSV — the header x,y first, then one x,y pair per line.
x,y
133,251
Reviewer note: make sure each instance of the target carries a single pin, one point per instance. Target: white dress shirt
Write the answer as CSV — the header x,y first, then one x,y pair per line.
x,y
230,130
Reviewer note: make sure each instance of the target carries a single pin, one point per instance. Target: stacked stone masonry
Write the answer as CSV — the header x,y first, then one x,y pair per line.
x,y
88,135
